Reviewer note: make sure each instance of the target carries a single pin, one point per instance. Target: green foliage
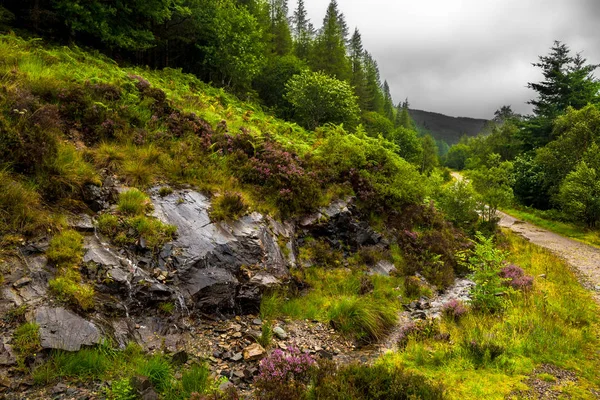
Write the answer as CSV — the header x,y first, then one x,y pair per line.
x,y
158,370
494,187
26,339
134,202
69,288
20,207
266,334
196,379
364,320
580,194
485,262
318,99
65,249
167,307
458,202
410,147
230,206
429,160
376,124
121,389
359,381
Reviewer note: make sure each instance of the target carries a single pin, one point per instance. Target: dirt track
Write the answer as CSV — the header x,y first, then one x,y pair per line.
x,y
583,258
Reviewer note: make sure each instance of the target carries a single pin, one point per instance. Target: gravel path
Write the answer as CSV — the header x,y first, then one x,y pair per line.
x,y
583,258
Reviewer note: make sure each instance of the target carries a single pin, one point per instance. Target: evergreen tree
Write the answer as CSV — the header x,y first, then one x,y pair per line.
x,y
281,41
568,82
375,97
388,104
303,32
359,79
403,118
329,54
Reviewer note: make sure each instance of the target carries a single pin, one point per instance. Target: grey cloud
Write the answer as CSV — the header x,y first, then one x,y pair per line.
x,y
466,57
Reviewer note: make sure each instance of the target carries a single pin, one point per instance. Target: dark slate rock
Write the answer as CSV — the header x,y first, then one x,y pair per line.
x,y
64,330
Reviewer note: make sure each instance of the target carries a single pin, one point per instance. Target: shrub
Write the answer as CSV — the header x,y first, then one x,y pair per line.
x,y
485,262
317,99
134,202
26,339
196,380
515,277
108,224
20,207
363,319
482,352
283,376
266,334
165,191
419,330
454,309
228,207
69,288
158,370
459,204
121,389
167,307
377,382
66,249
413,286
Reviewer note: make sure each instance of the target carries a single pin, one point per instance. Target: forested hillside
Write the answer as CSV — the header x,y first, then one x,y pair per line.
x,y
214,199
446,128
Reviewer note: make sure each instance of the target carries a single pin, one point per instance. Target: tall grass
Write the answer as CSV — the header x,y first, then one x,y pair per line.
x,y
490,356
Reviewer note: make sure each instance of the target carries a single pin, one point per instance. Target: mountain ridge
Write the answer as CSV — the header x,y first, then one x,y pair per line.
x,y
444,127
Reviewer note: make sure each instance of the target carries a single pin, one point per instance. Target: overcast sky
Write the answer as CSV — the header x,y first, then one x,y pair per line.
x,y
469,57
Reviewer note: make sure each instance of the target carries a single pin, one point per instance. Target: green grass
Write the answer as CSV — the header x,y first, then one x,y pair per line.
x,y
335,297
490,356
26,339
104,363
570,230
134,202
66,249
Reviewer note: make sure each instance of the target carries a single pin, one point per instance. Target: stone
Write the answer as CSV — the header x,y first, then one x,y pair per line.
x,y
257,321
254,352
22,282
179,358
143,388
59,388
383,267
61,329
225,386
81,222
7,354
280,333
210,256
236,357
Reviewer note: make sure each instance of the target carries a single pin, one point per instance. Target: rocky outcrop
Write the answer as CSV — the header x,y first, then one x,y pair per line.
x,y
61,329
223,265
341,225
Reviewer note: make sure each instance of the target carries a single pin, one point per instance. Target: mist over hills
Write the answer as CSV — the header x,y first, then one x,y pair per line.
x,y
446,128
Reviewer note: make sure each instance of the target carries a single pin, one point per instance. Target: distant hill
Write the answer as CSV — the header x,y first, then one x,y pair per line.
x,y
446,128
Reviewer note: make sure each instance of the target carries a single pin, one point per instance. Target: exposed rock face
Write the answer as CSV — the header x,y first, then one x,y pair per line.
x,y
64,330
341,225
227,264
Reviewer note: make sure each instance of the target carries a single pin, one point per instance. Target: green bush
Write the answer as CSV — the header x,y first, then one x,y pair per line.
x,y
20,207
69,288
377,382
134,202
317,99
227,207
196,380
486,262
26,339
158,370
66,249
121,389
363,319
459,204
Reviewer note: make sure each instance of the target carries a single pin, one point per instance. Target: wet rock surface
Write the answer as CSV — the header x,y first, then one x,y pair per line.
x,y
224,265
61,329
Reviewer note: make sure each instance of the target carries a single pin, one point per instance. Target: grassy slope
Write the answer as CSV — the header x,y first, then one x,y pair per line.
x,y
556,323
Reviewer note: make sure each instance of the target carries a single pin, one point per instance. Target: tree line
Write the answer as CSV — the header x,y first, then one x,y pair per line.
x,y
257,49
549,160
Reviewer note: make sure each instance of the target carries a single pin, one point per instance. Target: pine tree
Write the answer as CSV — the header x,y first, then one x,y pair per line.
x,y
280,28
329,54
388,104
303,32
403,118
375,97
359,79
